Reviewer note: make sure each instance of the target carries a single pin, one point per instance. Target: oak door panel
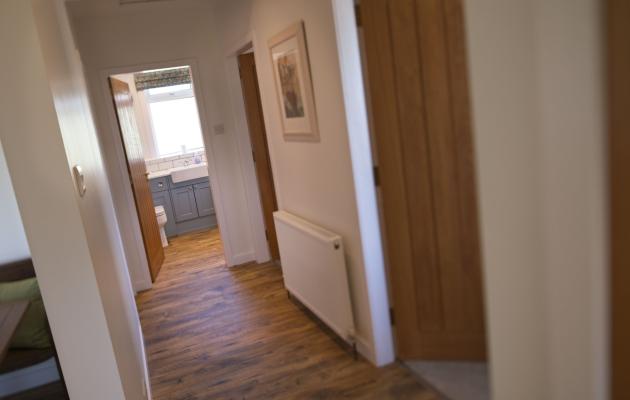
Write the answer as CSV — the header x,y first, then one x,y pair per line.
x,y
416,66
258,136
618,88
123,102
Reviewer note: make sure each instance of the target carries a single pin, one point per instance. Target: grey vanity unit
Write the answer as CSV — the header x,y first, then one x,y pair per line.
x,y
188,204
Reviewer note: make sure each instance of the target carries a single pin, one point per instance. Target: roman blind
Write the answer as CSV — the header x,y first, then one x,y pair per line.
x,y
162,78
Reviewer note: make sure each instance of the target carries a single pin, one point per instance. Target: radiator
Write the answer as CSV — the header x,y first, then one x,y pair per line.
x,y
314,269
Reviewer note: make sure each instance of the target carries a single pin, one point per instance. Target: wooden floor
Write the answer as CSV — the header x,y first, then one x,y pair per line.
x,y
214,332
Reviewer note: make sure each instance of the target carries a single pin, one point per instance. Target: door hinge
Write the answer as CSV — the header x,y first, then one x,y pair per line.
x,y
254,156
392,316
377,177
267,234
357,13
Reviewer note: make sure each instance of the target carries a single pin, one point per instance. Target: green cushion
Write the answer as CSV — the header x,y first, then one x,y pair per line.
x,y
32,331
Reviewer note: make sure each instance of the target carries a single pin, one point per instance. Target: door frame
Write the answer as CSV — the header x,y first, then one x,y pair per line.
x,y
244,145
128,206
372,245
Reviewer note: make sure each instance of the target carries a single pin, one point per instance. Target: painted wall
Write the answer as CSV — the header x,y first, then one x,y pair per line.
x,y
537,90
74,240
69,90
12,238
312,180
112,37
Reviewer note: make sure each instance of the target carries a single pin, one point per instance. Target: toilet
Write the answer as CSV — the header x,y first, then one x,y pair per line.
x,y
161,219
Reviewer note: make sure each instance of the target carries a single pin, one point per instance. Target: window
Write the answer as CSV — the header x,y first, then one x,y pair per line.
x,y
174,119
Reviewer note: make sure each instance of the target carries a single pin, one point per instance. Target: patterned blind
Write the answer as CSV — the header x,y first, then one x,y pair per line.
x,y
167,77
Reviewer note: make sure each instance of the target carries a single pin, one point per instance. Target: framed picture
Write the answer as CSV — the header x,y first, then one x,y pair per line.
x,y
294,88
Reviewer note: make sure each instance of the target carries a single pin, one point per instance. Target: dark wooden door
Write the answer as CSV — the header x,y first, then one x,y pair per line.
x,y
618,76
253,109
416,65
123,102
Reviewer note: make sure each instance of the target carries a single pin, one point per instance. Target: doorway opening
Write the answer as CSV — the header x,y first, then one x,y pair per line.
x,y
166,159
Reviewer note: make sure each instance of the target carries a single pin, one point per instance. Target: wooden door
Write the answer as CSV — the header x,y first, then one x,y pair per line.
x,y
260,150
618,74
123,102
416,66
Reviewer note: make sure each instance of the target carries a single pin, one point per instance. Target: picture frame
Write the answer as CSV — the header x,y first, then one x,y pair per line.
x,y
294,87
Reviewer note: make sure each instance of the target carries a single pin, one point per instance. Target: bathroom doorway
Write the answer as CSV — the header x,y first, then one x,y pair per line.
x,y
160,129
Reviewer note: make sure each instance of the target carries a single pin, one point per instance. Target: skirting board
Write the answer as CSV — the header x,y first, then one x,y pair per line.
x,y
362,345
142,286
364,348
243,258
28,378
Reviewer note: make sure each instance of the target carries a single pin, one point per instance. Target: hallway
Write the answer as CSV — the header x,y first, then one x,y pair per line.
x,y
214,332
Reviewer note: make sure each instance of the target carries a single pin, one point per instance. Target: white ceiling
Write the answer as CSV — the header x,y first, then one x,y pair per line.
x,y
123,2
86,8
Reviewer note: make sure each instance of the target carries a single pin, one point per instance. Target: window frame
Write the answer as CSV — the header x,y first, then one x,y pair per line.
x,y
168,96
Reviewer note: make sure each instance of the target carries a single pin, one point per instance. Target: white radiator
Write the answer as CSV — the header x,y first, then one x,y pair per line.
x,y
314,269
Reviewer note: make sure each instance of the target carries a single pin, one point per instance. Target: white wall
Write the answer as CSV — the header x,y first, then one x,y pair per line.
x,y
74,241
537,91
13,245
115,39
312,180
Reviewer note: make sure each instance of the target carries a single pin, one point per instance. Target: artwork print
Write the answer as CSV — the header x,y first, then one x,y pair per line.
x,y
290,84
294,88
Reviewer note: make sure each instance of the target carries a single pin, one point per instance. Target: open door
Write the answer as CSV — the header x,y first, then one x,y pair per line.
x,y
123,102
618,76
260,150
417,78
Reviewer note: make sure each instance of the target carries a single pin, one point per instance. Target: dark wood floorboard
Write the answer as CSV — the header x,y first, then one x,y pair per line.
x,y
214,332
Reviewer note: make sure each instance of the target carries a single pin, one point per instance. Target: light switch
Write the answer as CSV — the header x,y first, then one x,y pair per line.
x,y
219,129
79,180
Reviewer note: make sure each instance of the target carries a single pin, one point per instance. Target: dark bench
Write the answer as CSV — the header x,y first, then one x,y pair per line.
x,y
22,358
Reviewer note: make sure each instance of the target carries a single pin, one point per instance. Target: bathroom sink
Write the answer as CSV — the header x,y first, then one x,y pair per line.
x,y
189,172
